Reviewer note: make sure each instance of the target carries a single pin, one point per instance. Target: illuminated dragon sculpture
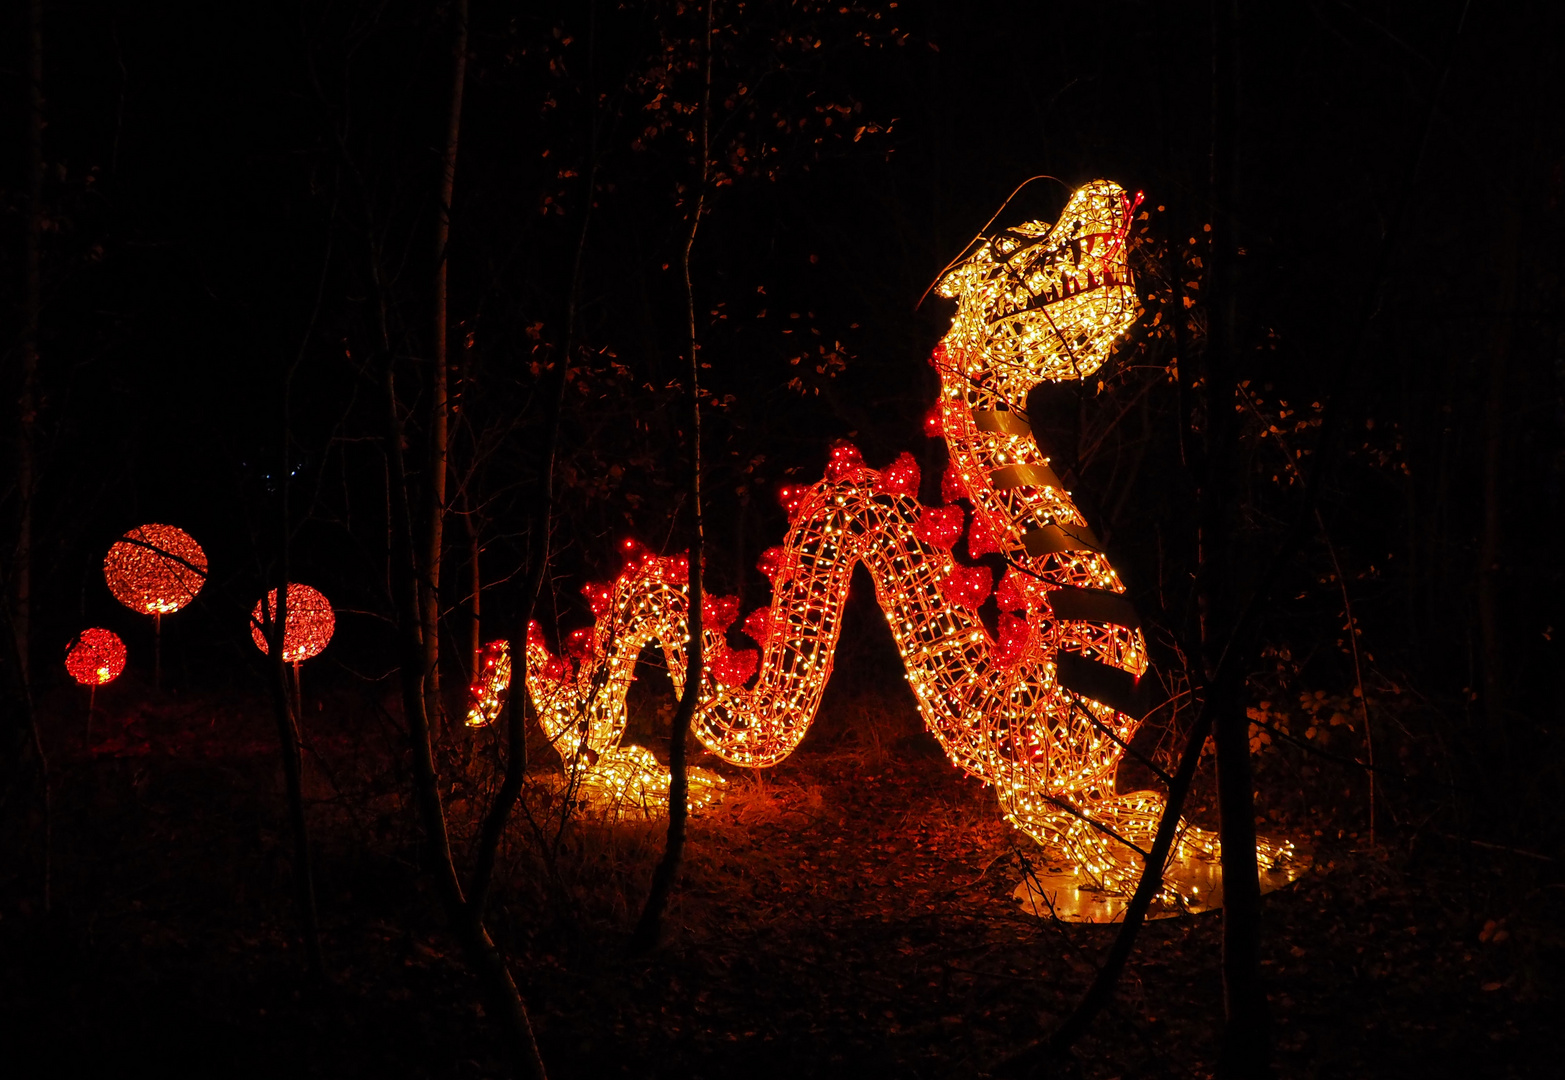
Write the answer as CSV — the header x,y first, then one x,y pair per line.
x,y
1030,708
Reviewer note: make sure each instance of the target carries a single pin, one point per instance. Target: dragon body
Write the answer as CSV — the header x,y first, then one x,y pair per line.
x,y
1022,708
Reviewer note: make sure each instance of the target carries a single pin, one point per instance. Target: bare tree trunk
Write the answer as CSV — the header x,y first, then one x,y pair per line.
x,y
1246,1036
32,317
475,643
515,718
649,926
502,998
283,703
1058,1045
283,708
16,694
1493,480
439,405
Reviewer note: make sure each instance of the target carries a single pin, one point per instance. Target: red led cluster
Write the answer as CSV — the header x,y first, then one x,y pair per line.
x,y
968,586
791,498
770,562
95,657
934,425
951,486
758,625
901,477
718,613
939,526
733,667
844,461
981,540
1013,639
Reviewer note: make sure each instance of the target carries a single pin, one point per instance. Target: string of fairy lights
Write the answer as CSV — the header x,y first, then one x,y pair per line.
x,y
1037,302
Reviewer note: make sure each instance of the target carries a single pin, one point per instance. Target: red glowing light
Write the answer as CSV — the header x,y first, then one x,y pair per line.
x,y
980,539
634,552
951,486
758,624
155,569
578,643
791,497
96,656
1012,593
939,526
310,622
901,477
770,562
487,692
968,586
934,425
845,458
733,667
1014,636
600,597
719,612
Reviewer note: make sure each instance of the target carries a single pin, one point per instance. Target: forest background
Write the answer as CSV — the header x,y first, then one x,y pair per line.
x,y
233,199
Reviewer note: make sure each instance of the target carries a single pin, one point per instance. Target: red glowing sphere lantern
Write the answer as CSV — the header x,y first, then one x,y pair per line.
x,y
95,657
155,569
309,626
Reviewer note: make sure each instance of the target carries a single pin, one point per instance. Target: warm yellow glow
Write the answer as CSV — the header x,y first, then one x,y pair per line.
x,y
487,693
1036,302
155,569
629,780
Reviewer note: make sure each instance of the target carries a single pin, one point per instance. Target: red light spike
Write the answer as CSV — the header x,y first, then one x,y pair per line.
x,y
980,539
578,644
733,667
934,423
844,461
758,625
719,612
952,486
939,526
968,586
770,562
901,477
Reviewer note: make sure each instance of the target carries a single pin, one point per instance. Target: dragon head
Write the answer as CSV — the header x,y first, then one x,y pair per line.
x,y
1039,301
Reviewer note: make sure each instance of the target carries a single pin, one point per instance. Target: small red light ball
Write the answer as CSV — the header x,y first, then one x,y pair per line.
x,y
95,657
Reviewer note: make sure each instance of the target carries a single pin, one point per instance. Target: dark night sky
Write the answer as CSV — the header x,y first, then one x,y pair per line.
x,y
197,181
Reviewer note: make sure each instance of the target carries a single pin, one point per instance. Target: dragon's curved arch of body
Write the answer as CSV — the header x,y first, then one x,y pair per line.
x,y
1036,302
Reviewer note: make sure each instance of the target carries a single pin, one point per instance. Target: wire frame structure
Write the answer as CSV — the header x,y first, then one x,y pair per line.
x,y
95,656
155,569
310,623
1042,707
486,694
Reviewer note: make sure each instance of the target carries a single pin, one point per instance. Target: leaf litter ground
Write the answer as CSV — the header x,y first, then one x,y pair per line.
x,y
848,913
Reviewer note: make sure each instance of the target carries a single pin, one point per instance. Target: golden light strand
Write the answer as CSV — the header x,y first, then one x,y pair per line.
x,y
486,694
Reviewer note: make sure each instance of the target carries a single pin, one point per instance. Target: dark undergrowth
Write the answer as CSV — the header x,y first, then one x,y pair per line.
x,y
847,913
